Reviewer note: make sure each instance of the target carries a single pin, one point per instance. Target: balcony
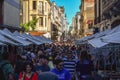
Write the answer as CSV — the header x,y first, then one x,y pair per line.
x,y
106,4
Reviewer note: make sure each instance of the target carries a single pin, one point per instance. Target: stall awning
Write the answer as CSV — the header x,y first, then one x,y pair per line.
x,y
16,39
116,29
28,37
16,33
5,40
44,39
112,38
40,40
103,33
86,38
97,42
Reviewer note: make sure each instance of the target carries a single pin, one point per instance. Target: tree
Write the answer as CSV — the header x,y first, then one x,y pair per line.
x,y
31,24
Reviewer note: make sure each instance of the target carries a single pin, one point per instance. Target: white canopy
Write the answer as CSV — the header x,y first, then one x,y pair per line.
x,y
6,40
112,38
116,29
7,31
48,40
97,43
85,38
97,35
28,37
103,33
47,35
45,40
36,38
16,33
16,39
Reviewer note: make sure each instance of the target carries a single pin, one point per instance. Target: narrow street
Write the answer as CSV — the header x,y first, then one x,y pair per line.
x,y
59,40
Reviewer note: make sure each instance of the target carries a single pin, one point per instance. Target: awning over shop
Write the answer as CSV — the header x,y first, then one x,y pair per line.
x,y
6,40
97,43
48,35
85,38
35,38
20,39
97,35
28,37
116,29
16,39
7,31
16,33
112,38
100,34
44,39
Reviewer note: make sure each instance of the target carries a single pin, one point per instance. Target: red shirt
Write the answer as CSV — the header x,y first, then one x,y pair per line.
x,y
34,77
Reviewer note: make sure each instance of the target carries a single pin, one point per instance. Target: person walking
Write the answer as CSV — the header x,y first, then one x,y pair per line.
x,y
6,67
60,71
70,63
27,73
84,67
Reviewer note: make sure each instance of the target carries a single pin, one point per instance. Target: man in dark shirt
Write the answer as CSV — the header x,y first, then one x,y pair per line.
x,y
42,64
84,67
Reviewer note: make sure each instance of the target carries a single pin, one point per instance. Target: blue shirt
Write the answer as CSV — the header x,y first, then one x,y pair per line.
x,y
62,74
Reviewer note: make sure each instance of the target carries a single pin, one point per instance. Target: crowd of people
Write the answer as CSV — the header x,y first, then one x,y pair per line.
x,y
56,61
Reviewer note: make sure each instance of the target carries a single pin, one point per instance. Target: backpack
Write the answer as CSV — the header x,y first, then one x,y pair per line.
x,y
2,77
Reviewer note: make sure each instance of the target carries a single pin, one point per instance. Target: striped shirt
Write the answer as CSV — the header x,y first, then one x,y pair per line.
x,y
70,65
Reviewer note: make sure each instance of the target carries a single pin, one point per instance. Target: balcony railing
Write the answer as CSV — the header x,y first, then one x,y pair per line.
x,y
107,3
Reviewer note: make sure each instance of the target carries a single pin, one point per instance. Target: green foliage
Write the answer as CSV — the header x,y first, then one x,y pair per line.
x,y
25,26
31,24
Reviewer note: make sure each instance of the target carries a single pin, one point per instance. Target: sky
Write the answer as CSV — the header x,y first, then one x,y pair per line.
x,y
71,7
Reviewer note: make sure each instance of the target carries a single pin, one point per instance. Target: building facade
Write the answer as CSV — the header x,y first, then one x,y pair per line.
x,y
72,28
64,22
87,17
39,9
76,26
107,14
55,22
58,22
9,14
77,23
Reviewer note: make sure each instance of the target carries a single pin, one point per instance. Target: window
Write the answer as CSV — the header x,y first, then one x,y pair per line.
x,y
40,9
34,5
45,22
46,7
41,21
